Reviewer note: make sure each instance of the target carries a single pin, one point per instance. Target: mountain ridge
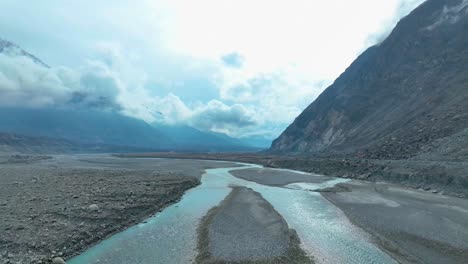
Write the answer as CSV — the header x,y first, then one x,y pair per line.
x,y
11,49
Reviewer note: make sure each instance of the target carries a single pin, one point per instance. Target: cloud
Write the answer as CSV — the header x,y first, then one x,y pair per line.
x,y
170,109
217,116
26,83
234,60
277,97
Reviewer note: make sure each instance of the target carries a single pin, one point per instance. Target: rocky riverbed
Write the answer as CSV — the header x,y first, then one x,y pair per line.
x,y
56,207
430,175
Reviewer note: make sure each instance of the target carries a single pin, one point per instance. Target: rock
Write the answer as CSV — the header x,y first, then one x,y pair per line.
x,y
93,207
58,260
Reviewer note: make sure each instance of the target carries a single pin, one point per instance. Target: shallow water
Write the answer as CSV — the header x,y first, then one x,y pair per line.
x,y
170,236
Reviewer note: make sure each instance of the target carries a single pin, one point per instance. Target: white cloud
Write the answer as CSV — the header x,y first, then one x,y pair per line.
x,y
170,109
25,83
219,117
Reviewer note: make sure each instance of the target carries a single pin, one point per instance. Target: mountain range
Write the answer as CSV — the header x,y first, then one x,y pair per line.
x,y
80,128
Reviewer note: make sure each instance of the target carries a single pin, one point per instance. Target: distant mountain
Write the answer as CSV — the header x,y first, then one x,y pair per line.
x,y
257,141
14,143
191,139
406,97
11,49
78,129
83,126
109,130
70,130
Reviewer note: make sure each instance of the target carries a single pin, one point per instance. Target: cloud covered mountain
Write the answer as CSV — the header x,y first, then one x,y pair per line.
x,y
83,108
405,97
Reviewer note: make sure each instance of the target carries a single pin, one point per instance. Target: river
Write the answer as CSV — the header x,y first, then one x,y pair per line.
x,y
171,235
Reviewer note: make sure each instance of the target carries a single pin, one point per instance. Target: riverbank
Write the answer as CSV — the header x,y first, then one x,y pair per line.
x,y
245,228
412,226
62,205
276,177
432,176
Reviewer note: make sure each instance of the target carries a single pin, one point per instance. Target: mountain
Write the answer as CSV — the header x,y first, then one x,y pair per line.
x,y
406,97
11,49
257,141
93,129
14,143
83,127
71,128
187,138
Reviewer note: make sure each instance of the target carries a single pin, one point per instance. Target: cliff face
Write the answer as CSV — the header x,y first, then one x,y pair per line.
x,y
403,98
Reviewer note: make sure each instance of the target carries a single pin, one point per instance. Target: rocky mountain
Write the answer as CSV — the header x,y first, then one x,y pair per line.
x,y
406,97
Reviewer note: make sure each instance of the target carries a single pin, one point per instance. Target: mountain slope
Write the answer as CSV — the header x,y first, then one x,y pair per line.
x,y
402,98
187,138
72,130
83,126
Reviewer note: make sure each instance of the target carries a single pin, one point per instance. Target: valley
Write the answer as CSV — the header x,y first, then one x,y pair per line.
x,y
234,132
82,202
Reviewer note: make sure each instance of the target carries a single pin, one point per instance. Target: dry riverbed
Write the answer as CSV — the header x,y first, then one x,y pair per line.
x,y
59,206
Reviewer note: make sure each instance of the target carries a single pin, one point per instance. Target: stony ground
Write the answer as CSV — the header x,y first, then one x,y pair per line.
x,y
60,206
411,225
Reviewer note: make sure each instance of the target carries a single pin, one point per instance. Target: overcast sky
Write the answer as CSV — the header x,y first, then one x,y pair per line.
x,y
243,67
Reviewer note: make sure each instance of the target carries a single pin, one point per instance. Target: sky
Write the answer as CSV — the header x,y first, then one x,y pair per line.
x,y
240,67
